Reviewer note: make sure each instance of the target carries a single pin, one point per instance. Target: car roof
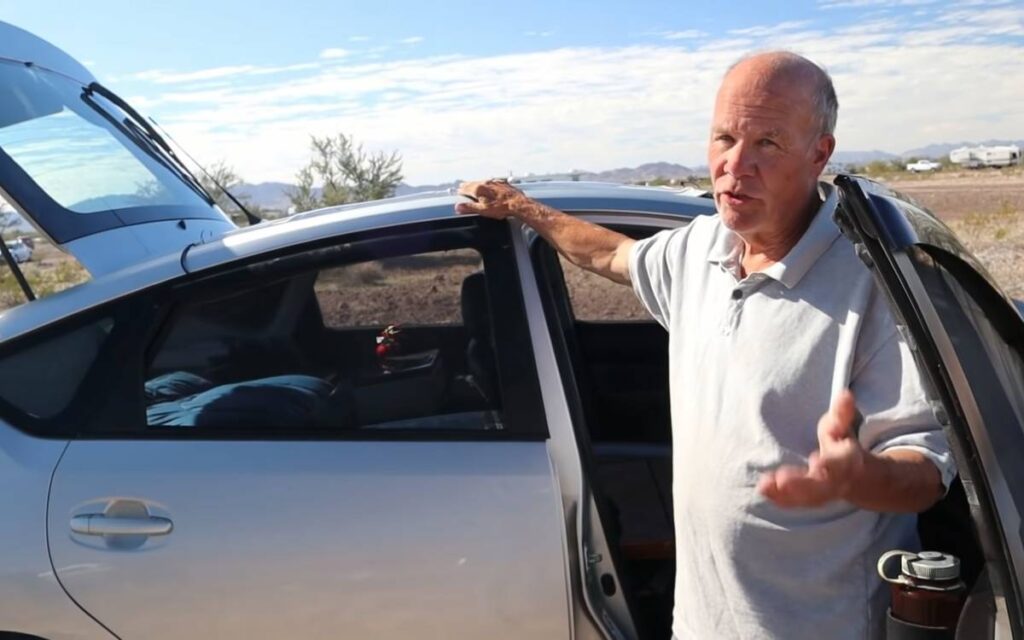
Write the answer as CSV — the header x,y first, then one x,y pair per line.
x,y
271,235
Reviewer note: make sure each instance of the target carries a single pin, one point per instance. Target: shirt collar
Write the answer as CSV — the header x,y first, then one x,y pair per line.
x,y
727,248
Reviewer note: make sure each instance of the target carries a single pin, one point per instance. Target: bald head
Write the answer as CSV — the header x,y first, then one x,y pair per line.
x,y
773,69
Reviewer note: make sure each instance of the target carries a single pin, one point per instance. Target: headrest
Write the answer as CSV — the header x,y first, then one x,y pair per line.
x,y
475,313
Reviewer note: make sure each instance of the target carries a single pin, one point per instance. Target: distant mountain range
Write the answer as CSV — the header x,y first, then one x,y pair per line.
x,y
274,195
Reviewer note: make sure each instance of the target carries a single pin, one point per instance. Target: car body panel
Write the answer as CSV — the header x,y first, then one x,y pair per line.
x,y
138,244
319,539
31,598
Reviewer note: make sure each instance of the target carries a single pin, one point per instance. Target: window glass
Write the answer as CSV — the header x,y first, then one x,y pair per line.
x,y
67,142
395,343
422,289
1008,363
595,298
47,268
42,379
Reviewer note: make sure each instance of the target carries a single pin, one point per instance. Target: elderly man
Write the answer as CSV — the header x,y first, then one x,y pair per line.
x,y
777,336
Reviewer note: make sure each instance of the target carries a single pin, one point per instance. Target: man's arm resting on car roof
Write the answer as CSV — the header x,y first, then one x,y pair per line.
x,y
587,245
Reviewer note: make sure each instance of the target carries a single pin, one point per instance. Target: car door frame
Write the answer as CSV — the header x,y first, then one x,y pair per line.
x,y
888,232
593,559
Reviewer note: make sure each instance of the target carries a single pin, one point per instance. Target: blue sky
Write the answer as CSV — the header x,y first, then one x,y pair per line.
x,y
463,89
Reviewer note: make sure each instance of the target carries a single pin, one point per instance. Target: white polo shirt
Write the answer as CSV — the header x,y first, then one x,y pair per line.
x,y
753,364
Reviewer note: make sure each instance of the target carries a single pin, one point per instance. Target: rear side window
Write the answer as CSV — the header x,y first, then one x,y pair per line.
x,y
41,379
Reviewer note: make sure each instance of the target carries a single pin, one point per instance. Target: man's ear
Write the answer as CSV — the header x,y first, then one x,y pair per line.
x,y
823,149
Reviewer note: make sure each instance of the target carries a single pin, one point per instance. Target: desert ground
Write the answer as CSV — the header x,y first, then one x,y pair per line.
x,y
985,208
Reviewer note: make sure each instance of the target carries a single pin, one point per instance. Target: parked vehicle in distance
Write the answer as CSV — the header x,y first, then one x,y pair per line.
x,y
923,166
206,440
982,156
20,250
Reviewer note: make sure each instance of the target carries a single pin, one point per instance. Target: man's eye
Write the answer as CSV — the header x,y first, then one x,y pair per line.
x,y
723,138
768,142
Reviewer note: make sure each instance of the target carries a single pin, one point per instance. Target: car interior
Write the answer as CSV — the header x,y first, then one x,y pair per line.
x,y
292,352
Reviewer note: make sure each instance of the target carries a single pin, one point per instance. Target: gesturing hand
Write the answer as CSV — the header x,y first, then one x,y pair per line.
x,y
493,198
830,471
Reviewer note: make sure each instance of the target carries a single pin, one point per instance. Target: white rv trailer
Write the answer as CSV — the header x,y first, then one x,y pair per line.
x,y
982,156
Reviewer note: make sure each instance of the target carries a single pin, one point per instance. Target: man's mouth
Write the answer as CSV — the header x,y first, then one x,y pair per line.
x,y
735,197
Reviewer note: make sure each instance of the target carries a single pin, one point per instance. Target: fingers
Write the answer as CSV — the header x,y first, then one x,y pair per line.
x,y
470,207
470,189
837,422
491,198
791,487
844,407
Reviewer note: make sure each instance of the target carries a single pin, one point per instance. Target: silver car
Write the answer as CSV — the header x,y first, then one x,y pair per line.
x,y
384,420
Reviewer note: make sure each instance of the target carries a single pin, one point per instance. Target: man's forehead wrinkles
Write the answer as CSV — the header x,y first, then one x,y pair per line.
x,y
772,122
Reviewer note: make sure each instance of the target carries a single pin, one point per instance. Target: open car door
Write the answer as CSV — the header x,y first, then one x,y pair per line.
x,y
968,340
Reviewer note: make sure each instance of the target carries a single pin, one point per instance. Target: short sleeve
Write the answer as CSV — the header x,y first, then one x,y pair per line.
x,y
654,265
897,413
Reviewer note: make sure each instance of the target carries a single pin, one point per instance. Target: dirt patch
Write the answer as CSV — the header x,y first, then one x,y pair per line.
x,y
956,195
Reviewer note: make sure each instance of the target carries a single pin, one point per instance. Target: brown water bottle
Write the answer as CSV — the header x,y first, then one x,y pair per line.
x,y
927,594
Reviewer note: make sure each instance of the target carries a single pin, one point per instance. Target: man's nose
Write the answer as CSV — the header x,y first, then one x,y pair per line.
x,y
740,161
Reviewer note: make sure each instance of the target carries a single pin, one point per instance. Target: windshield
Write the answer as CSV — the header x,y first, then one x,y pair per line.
x,y
79,148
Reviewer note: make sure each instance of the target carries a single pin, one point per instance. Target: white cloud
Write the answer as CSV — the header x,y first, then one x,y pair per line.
x,y
332,54
359,38
771,30
412,40
233,73
682,35
160,76
538,34
595,107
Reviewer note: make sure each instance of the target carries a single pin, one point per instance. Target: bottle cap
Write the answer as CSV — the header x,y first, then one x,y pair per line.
x,y
931,565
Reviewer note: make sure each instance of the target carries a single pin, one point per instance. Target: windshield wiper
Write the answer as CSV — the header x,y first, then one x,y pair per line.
x,y
138,125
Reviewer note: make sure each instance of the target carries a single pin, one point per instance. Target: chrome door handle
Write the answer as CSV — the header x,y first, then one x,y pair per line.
x,y
98,524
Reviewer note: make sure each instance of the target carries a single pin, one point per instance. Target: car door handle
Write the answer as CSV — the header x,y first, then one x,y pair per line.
x,y
97,524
